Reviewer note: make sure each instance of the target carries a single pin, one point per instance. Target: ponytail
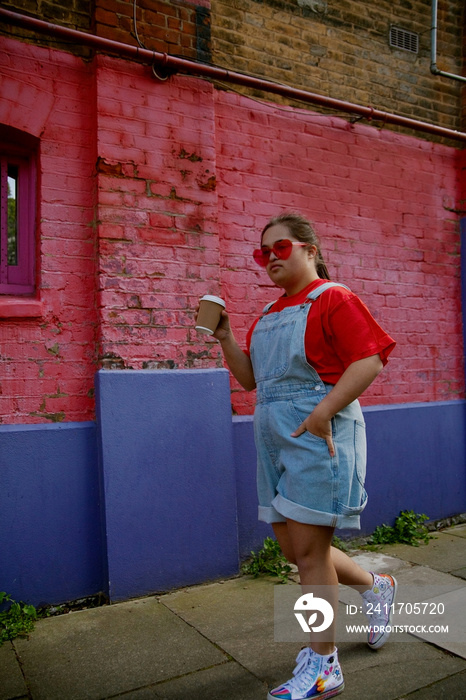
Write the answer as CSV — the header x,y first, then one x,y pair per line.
x,y
321,267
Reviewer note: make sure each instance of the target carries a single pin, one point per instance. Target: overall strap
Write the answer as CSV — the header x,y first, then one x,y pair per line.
x,y
267,307
312,296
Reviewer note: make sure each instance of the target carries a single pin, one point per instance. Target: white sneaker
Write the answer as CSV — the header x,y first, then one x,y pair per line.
x,y
379,607
315,676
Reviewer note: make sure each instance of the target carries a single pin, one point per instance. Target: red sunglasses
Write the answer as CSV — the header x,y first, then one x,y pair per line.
x,y
281,249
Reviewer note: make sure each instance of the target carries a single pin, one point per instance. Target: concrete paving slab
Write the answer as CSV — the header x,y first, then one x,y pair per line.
x,y
454,618
451,688
249,641
460,573
12,683
215,609
458,530
271,662
426,579
379,562
446,552
391,679
238,616
228,681
356,657
94,654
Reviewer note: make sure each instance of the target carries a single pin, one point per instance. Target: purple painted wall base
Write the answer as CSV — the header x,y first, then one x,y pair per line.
x,y
50,529
416,461
169,479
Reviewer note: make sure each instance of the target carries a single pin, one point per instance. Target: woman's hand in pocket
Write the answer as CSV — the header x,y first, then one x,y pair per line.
x,y
319,424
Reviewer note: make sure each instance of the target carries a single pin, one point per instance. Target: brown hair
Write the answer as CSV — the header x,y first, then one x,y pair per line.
x,y
301,229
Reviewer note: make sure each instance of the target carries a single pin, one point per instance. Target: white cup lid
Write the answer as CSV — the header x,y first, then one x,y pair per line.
x,y
217,300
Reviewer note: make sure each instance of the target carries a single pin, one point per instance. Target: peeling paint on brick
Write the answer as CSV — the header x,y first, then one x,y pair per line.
x,y
115,169
193,157
159,364
210,185
112,361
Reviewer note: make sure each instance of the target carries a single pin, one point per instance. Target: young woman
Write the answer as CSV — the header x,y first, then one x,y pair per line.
x,y
310,355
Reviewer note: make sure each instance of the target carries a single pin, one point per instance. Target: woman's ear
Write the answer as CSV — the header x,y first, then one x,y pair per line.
x,y
312,251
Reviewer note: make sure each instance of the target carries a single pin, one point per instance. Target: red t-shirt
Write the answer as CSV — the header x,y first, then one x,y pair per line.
x,y
340,330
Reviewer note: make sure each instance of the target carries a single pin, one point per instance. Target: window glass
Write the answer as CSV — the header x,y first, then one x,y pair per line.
x,y
12,235
17,211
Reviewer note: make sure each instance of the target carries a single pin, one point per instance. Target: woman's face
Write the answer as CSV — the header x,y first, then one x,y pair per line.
x,y
298,270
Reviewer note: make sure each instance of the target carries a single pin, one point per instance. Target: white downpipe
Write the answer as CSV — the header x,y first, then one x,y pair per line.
x,y
433,48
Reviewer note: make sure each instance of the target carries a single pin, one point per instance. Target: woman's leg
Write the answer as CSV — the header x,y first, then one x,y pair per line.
x,y
318,672
351,574
311,545
348,572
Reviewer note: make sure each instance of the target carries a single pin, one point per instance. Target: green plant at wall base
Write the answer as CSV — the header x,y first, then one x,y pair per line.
x,y
17,620
339,544
409,528
269,560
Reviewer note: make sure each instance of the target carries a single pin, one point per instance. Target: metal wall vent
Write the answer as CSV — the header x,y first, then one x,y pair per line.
x,y
401,39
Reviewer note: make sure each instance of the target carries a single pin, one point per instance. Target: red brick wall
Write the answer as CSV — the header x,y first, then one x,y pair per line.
x,y
180,27
177,180
342,50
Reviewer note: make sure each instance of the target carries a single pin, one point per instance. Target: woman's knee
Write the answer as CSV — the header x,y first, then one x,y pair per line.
x,y
311,544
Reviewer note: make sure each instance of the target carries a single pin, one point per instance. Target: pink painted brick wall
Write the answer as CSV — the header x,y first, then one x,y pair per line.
x,y
152,194
159,247
384,207
47,364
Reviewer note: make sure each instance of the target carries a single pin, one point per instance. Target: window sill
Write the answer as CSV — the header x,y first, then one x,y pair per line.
x,y
20,308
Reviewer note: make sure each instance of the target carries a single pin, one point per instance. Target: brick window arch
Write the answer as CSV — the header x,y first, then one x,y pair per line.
x,y
18,182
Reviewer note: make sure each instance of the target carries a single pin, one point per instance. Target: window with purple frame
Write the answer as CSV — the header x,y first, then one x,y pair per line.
x,y
17,211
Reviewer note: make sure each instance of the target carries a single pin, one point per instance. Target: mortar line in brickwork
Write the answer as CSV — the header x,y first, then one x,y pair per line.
x,y
173,64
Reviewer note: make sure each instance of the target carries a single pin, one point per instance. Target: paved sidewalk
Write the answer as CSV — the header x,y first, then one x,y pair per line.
x,y
216,641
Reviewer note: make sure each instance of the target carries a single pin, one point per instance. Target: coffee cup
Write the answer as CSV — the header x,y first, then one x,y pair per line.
x,y
210,310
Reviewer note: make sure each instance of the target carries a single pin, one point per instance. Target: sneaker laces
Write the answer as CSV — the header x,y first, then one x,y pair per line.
x,y
306,671
302,660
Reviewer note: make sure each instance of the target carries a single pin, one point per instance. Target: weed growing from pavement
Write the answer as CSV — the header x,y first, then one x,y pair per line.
x,y
409,529
16,620
340,544
269,560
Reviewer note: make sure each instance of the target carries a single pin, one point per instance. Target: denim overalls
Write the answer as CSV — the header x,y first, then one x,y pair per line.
x,y
296,477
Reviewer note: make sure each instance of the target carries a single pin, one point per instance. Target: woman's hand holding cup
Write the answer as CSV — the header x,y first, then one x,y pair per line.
x,y
211,317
